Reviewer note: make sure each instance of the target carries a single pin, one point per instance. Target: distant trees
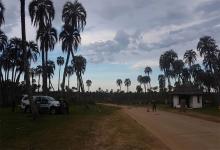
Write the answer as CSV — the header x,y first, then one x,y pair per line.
x,y
88,83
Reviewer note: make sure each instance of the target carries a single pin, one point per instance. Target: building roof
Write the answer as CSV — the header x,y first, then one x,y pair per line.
x,y
186,90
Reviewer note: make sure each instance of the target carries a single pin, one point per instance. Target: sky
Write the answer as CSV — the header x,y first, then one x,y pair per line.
x,y
122,37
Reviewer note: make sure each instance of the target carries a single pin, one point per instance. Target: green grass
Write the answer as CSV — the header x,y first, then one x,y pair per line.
x,y
19,131
211,111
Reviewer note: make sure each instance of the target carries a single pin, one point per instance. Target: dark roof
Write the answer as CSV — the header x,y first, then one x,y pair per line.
x,y
186,90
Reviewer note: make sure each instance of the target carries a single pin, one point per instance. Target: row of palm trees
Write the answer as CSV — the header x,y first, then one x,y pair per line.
x,y
127,83
187,71
18,54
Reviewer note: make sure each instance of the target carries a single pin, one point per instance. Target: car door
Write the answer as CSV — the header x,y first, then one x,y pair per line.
x,y
44,104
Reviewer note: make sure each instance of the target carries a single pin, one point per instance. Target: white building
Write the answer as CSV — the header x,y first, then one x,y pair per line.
x,y
188,95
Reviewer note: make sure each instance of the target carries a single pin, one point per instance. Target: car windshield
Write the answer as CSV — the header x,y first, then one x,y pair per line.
x,y
51,98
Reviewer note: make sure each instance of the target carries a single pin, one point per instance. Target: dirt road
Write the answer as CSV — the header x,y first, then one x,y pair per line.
x,y
178,132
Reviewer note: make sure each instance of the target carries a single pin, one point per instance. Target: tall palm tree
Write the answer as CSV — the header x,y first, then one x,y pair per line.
x,y
60,62
39,71
74,14
88,83
127,83
190,57
74,18
26,64
119,83
147,71
48,37
79,63
166,64
42,14
208,49
69,72
70,40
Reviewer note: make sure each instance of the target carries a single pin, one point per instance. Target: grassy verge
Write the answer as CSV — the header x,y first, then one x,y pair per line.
x,y
99,127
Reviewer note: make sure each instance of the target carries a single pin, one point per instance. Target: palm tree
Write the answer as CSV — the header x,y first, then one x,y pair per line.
x,y
88,83
26,65
119,83
69,72
190,57
3,45
139,79
139,89
79,63
166,63
208,49
162,82
60,62
3,39
70,40
74,14
39,71
177,68
50,72
145,81
127,83
48,38
148,70
42,13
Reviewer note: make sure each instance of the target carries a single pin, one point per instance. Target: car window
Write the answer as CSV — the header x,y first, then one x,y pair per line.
x,y
38,100
44,100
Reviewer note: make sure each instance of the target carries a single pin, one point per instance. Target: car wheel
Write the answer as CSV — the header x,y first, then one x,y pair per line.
x,y
52,111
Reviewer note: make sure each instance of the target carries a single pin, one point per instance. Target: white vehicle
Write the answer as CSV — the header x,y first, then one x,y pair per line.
x,y
45,103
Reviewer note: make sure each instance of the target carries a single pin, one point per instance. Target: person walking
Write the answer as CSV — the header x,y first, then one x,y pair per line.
x,y
154,106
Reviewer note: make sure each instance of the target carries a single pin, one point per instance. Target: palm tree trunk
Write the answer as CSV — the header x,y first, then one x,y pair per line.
x,y
18,77
68,81
44,74
64,72
26,64
145,88
59,80
38,83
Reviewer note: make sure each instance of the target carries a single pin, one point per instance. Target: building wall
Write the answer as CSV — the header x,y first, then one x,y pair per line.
x,y
197,102
176,103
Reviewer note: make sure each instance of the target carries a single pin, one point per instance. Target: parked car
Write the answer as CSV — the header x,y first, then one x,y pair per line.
x,y
44,103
